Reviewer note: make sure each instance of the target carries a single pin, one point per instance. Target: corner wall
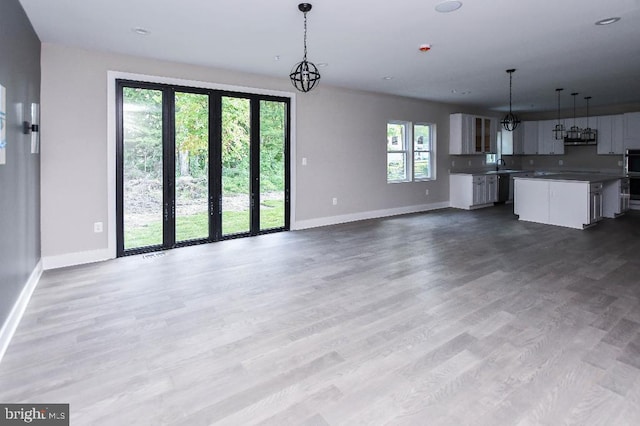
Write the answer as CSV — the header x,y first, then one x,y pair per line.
x,y
20,176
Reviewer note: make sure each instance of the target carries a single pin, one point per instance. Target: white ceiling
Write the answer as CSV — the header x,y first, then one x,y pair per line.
x,y
551,43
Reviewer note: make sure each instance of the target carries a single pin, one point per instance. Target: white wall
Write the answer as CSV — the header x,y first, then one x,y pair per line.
x,y
340,132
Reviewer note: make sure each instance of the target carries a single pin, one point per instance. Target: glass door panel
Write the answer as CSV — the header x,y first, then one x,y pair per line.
x,y
487,135
272,164
142,165
479,134
236,165
191,166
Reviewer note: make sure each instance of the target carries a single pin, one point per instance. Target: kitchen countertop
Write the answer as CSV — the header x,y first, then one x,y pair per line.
x,y
576,177
492,172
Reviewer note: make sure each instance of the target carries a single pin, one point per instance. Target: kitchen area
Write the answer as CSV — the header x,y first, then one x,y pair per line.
x,y
569,172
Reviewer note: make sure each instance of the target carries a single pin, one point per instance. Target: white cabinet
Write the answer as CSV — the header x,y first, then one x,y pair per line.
x,y
615,198
547,143
460,134
485,189
574,204
632,130
470,134
518,140
610,134
552,202
472,191
530,137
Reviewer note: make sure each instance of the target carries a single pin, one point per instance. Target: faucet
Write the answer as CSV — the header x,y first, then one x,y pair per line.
x,y
498,162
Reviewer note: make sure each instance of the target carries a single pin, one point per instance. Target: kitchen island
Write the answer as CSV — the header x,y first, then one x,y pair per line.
x,y
573,200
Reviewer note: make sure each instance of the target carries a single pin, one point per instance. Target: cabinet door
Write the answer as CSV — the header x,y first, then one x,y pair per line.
x,y
617,134
460,134
595,213
530,137
605,134
478,135
479,190
568,203
632,130
547,143
545,137
486,135
518,140
493,135
491,195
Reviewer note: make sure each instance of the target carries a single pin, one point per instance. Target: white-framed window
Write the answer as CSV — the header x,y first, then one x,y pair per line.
x,y
423,155
398,151
410,155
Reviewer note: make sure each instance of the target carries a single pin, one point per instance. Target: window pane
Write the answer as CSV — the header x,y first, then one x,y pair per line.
x,y
396,166
422,165
422,137
395,137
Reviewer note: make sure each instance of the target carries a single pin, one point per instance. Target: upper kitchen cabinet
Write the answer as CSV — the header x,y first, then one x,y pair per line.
x,y
547,143
632,130
518,140
460,133
610,134
470,134
529,137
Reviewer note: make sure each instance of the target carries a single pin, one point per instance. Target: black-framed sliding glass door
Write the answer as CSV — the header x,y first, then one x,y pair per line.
x,y
197,165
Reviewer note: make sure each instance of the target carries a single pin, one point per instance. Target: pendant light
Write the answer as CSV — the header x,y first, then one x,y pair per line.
x,y
510,122
559,131
589,134
574,133
304,75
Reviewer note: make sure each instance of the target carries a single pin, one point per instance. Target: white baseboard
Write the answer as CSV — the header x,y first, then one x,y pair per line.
x,y
374,214
78,258
11,324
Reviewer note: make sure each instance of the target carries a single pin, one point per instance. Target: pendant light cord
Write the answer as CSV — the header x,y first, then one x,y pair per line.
x,y
510,89
305,36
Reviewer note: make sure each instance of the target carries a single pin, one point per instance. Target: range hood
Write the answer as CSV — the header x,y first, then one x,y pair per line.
x,y
580,142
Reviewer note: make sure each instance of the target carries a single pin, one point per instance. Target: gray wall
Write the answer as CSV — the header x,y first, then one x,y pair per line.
x,y
342,133
20,176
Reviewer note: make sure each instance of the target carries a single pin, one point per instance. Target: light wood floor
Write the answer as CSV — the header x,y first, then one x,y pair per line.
x,y
443,318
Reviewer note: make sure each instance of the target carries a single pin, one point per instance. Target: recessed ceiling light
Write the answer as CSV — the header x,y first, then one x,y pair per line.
x,y
276,58
608,21
448,6
322,64
388,77
140,31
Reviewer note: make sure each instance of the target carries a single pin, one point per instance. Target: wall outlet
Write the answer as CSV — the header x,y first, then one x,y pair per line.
x,y
304,161
453,163
469,162
335,201
97,227
530,162
560,162
619,163
426,192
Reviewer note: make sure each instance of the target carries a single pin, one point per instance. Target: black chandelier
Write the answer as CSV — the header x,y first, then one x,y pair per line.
x,y
510,121
559,130
305,75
